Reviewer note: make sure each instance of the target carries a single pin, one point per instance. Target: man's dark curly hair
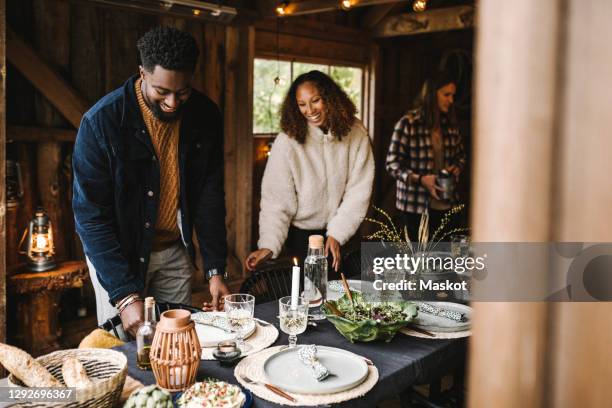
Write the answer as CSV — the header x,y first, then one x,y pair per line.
x,y
338,106
169,48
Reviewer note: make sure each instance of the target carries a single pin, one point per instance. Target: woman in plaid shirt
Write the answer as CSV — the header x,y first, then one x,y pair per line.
x,y
425,141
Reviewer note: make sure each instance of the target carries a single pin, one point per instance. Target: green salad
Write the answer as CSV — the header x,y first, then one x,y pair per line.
x,y
368,321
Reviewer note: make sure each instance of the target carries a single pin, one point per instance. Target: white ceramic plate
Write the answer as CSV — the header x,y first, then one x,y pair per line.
x,y
209,335
285,371
431,322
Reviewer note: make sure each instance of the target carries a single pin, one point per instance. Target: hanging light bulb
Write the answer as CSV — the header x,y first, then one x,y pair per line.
x,y
281,9
346,5
419,5
166,4
196,12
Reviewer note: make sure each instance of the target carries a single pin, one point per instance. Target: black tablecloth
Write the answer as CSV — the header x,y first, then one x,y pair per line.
x,y
403,362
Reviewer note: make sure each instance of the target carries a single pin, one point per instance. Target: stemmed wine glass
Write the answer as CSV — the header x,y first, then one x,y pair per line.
x,y
239,309
293,318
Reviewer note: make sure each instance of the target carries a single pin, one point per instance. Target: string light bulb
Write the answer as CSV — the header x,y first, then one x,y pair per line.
x,y
196,12
346,5
281,9
419,5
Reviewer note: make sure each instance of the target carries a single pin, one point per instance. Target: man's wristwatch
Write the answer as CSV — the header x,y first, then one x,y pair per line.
x,y
214,272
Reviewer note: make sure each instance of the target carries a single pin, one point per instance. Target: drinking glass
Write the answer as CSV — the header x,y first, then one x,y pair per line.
x,y
293,318
239,309
460,246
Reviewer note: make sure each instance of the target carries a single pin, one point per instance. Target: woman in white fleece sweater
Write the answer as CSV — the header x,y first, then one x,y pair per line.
x,y
319,175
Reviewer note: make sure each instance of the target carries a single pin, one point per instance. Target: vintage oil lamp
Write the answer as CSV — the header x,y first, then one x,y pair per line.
x,y
39,240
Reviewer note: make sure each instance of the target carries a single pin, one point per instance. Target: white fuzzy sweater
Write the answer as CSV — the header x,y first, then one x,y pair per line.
x,y
323,183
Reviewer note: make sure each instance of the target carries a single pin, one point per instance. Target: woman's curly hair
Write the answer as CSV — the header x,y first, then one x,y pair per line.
x,y
339,108
169,48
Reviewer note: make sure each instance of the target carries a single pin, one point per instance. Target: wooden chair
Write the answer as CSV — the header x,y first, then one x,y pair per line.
x,y
114,323
270,281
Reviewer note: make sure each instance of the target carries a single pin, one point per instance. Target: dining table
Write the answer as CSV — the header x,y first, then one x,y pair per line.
x,y
402,363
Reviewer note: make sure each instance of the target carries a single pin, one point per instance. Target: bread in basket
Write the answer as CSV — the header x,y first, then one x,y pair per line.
x,y
107,370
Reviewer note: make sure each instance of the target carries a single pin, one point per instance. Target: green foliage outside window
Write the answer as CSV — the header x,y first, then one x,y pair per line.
x,y
268,95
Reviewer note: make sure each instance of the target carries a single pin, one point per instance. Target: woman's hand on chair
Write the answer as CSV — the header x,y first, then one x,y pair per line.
x,y
256,257
333,246
132,317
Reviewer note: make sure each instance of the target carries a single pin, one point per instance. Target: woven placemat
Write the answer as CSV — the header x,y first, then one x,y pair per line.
x,y
263,337
252,367
439,335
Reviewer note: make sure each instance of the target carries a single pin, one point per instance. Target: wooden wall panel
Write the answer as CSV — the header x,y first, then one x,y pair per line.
x,y
239,137
214,62
52,27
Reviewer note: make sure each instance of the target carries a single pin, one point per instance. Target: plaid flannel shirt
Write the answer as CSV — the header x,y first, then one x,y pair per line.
x,y
411,152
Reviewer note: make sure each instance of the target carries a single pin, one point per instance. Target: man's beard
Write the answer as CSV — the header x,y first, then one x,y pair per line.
x,y
164,116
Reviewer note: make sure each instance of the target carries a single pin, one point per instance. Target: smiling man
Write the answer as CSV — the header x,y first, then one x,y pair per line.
x,y
148,171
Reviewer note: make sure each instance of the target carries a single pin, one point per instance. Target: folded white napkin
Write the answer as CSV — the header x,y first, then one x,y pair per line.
x,y
308,356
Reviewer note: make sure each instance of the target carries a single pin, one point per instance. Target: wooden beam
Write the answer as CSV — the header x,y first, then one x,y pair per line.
x,y
299,47
229,12
375,15
320,30
517,71
45,79
240,45
39,134
322,6
451,18
2,172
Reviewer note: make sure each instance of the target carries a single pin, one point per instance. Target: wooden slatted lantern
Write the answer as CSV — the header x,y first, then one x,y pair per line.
x,y
175,352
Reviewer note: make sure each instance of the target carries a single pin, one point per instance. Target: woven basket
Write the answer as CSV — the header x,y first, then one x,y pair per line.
x,y
106,368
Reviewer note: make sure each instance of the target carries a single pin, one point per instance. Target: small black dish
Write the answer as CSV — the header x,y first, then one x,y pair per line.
x,y
227,353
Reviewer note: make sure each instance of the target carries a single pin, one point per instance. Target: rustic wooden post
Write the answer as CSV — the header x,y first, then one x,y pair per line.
x,y
240,45
516,106
52,26
2,170
581,336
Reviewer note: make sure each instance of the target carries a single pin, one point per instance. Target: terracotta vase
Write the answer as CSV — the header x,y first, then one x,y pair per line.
x,y
175,351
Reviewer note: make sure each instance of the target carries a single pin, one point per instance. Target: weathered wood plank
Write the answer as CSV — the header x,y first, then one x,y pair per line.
x,y
321,6
87,51
231,72
375,15
214,56
239,134
39,134
197,31
45,79
518,51
581,372
451,18
2,171
52,33
302,48
307,28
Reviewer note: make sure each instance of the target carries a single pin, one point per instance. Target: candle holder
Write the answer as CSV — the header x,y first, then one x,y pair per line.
x,y
227,353
175,351
40,248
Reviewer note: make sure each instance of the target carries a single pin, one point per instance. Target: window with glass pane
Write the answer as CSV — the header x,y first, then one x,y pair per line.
x,y
268,96
349,79
300,68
